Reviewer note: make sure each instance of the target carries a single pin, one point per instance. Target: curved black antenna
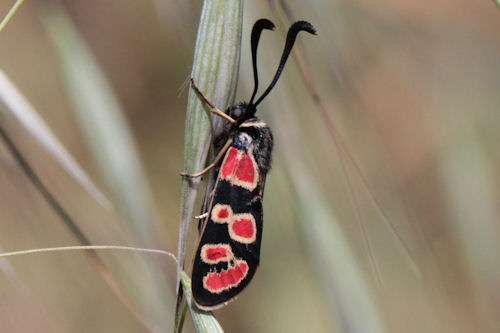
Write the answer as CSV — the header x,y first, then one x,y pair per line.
x,y
256,31
290,40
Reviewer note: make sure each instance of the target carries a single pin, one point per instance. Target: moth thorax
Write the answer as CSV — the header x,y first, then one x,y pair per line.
x,y
242,141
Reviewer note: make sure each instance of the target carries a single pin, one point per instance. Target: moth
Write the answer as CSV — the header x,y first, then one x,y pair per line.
x,y
228,253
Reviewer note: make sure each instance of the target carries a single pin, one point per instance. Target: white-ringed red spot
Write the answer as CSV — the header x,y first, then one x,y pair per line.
x,y
218,282
215,253
222,213
242,228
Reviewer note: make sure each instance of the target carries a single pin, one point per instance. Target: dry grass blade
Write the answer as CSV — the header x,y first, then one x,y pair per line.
x,y
344,155
70,223
103,125
345,287
101,119
87,248
341,149
469,180
15,103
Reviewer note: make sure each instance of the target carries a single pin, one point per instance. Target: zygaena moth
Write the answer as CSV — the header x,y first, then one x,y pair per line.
x,y
228,253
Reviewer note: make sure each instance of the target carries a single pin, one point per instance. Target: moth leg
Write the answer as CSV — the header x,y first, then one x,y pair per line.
x,y
213,164
201,216
213,108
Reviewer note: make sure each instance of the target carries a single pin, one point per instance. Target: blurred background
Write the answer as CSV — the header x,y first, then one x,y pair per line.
x,y
412,90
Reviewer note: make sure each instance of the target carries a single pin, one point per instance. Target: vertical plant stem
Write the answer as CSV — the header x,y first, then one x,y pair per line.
x,y
215,70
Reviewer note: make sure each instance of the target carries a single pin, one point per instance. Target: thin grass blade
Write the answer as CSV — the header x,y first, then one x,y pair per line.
x,y
346,289
16,104
469,179
101,120
106,131
10,13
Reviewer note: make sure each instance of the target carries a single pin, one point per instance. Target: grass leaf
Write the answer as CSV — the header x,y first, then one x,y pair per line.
x,y
15,103
204,321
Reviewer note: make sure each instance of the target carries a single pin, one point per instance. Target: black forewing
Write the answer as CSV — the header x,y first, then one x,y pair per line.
x,y
241,201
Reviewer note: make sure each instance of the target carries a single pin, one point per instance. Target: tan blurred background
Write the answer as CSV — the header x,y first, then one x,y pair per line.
x,y
413,88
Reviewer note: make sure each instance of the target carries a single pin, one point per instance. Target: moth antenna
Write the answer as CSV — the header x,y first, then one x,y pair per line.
x,y
290,40
254,40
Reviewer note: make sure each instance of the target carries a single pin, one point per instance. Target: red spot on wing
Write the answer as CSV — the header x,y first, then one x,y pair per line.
x,y
246,169
223,213
218,282
216,253
244,228
230,163
240,169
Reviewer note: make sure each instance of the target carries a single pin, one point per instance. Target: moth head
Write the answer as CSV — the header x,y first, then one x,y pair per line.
x,y
241,112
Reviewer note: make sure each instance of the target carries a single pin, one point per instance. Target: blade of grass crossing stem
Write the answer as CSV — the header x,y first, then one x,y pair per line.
x,y
215,69
203,321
